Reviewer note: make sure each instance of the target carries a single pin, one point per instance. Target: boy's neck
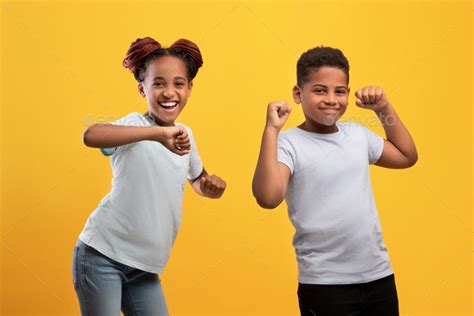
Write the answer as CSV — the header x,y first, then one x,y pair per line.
x,y
318,128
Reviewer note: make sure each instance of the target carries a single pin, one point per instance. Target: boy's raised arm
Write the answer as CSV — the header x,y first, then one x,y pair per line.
x,y
399,149
270,180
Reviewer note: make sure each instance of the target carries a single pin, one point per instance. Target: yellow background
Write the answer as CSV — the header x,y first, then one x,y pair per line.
x,y
61,71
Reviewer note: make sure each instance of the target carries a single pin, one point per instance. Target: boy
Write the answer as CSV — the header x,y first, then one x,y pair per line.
x,y
321,167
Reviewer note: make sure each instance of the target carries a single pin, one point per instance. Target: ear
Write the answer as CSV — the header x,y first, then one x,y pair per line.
x,y
297,94
141,90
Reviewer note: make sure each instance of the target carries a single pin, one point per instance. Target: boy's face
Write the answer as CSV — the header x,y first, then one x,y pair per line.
x,y
324,97
166,88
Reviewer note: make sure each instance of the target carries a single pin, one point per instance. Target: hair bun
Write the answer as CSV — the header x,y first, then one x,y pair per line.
x,y
138,50
191,49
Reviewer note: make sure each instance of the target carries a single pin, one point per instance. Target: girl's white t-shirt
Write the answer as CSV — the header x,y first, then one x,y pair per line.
x,y
136,223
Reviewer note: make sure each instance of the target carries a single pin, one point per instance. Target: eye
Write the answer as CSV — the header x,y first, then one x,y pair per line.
x,y
158,84
341,92
318,91
179,84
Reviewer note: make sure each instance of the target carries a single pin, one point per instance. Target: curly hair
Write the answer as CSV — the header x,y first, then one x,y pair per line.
x,y
144,50
318,57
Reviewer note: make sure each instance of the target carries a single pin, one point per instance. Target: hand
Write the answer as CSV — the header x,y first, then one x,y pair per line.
x,y
372,98
212,186
277,114
176,139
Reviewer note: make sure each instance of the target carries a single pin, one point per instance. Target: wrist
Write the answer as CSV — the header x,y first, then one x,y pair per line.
x,y
271,130
385,110
156,134
386,114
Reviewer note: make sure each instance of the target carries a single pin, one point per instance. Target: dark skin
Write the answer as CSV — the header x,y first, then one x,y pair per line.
x,y
324,98
167,89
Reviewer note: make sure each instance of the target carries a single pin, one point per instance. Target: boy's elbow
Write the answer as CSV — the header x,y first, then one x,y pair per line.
x,y
267,197
267,203
411,161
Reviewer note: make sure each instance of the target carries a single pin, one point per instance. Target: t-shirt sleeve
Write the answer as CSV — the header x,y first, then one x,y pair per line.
x,y
375,145
132,119
285,152
195,163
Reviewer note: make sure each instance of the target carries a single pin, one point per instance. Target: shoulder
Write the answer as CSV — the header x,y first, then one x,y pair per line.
x,y
289,139
350,125
187,128
289,134
135,115
361,134
353,129
183,125
132,119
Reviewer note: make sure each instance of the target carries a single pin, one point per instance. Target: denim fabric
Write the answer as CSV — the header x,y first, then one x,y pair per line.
x,y
105,287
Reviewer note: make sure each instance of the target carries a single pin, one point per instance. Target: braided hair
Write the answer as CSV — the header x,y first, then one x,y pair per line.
x,y
144,50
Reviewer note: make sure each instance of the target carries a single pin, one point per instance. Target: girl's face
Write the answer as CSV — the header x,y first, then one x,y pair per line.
x,y
166,88
324,99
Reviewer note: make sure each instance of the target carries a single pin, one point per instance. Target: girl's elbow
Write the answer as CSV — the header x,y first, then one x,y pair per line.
x,y
87,138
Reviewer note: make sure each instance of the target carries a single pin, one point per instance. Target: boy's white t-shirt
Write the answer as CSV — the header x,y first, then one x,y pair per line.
x,y
136,223
338,238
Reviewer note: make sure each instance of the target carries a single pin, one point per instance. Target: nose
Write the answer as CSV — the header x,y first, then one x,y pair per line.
x,y
168,93
330,99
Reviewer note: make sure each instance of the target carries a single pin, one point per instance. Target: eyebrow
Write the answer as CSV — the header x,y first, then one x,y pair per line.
x,y
321,85
163,78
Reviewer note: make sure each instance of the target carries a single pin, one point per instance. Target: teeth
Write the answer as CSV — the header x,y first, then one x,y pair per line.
x,y
168,104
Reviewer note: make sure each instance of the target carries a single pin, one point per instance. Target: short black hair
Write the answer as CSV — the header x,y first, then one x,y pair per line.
x,y
318,57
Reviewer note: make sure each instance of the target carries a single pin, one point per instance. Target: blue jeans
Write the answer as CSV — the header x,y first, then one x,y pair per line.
x,y
105,287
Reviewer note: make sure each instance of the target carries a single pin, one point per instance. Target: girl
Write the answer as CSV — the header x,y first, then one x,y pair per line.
x,y
126,242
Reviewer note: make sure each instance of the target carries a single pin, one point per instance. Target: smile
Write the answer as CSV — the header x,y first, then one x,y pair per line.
x,y
168,105
329,110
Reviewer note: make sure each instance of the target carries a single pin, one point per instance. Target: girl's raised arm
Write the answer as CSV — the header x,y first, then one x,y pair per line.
x,y
175,138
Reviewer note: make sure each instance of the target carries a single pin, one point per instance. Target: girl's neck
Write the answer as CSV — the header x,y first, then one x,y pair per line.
x,y
157,120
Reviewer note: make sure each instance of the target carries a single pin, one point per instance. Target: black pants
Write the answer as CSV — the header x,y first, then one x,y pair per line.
x,y
375,298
